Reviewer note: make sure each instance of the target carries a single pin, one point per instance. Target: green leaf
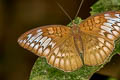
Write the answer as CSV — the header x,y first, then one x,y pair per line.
x,y
42,71
105,5
112,79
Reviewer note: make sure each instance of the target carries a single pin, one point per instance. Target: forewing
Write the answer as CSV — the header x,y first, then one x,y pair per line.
x,y
55,43
106,25
42,38
99,34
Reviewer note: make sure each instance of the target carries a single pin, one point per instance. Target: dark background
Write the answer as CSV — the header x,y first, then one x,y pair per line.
x,y
19,16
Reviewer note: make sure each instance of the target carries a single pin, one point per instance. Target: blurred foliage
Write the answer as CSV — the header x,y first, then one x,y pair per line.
x,y
105,5
42,71
112,79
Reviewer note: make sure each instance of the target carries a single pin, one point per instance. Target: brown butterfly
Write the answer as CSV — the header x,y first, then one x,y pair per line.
x,y
69,48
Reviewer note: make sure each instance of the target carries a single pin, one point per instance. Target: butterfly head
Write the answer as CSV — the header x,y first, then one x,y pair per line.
x,y
75,23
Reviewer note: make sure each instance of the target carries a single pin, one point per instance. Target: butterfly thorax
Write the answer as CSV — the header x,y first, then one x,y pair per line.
x,y
75,30
77,39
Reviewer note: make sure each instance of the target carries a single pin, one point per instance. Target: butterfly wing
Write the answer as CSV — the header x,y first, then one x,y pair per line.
x,y
99,33
65,56
43,37
55,43
96,49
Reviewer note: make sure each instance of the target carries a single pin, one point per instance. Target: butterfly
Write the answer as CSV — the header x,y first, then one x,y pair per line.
x,y
69,48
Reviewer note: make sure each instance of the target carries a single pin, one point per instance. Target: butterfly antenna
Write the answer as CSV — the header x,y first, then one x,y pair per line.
x,y
65,12
79,8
